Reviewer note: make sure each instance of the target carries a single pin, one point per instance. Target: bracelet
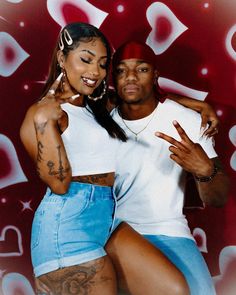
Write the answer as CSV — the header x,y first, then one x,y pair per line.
x,y
207,178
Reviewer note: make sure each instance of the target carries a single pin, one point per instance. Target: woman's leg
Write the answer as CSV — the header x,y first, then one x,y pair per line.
x,y
141,268
185,255
69,230
90,278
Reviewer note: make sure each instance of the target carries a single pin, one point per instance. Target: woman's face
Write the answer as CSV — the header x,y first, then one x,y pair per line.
x,y
85,66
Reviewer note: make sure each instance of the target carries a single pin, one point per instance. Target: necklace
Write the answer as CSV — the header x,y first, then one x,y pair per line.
x,y
140,131
73,97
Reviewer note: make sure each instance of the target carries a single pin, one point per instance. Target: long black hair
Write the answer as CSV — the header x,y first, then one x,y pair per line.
x,y
86,32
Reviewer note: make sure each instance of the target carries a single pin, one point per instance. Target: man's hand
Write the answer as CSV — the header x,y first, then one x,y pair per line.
x,y
189,155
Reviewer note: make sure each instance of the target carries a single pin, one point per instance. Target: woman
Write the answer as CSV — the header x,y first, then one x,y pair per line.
x,y
74,157
72,140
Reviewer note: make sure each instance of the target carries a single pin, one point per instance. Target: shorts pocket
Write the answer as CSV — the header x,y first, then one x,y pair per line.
x,y
75,205
36,228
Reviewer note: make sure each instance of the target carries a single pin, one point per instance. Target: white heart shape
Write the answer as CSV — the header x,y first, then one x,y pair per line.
x,y
233,161
232,137
19,247
16,174
159,12
12,55
14,283
227,255
174,87
95,16
200,232
14,1
228,42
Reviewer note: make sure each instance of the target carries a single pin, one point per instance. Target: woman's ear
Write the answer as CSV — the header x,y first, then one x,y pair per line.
x,y
60,58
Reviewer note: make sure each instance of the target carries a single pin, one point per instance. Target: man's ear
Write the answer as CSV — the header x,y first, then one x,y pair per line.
x,y
156,74
60,58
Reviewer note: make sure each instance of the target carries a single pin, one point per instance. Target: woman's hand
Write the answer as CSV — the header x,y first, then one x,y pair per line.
x,y
210,121
48,108
209,117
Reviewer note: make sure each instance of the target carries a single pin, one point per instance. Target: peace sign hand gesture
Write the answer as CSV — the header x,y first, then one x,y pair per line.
x,y
48,108
189,155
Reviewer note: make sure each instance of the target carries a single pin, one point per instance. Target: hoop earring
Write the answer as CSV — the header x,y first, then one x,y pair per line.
x,y
100,96
63,80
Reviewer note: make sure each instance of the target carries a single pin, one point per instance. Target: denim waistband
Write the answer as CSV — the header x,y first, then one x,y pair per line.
x,y
97,191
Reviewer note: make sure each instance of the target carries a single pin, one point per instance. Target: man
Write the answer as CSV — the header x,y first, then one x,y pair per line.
x,y
164,143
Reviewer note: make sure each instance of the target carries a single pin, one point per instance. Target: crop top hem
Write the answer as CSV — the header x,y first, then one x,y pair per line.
x,y
94,172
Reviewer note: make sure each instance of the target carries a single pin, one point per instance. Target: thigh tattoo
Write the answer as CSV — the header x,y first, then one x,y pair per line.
x,y
79,279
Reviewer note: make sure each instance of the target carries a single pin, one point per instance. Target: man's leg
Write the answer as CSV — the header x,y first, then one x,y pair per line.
x,y
141,268
185,255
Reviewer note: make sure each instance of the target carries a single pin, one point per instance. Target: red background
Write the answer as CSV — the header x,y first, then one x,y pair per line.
x,y
202,62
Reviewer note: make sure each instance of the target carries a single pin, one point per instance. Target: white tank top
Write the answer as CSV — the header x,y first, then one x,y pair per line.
x,y
89,147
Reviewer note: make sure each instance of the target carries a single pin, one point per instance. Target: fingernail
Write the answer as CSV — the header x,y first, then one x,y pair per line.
x,y
157,133
175,122
59,77
202,130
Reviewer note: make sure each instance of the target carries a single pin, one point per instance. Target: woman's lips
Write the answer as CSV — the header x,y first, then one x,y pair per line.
x,y
89,82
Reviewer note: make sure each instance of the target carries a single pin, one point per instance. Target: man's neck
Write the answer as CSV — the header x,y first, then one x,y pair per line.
x,y
137,111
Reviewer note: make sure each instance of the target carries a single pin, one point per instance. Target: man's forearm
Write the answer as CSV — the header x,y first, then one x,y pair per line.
x,y
215,191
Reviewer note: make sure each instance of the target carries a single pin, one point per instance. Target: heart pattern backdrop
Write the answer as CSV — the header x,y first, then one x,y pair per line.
x,y
195,47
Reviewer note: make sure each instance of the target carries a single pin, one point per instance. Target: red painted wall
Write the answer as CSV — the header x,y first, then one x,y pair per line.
x,y
195,43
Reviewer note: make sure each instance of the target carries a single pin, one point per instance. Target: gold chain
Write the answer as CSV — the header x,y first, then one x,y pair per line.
x,y
137,133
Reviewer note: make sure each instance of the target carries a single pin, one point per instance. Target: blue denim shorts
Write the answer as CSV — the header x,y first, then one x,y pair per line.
x,y
185,255
73,228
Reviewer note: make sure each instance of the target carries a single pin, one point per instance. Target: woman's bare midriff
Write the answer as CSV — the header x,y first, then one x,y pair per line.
x,y
104,179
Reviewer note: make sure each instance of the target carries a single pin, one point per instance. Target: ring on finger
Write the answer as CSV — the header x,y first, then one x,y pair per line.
x,y
51,91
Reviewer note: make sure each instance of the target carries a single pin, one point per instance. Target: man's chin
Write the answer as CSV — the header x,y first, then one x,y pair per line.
x,y
131,99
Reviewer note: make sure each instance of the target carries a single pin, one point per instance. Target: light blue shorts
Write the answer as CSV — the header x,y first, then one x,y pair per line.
x,y
188,259
73,228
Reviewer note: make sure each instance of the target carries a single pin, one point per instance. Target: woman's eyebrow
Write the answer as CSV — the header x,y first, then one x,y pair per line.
x,y
92,53
88,51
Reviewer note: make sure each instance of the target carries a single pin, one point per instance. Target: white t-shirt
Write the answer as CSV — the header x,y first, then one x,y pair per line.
x,y
149,185
89,147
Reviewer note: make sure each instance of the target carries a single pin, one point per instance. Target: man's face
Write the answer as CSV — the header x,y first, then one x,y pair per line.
x,y
134,80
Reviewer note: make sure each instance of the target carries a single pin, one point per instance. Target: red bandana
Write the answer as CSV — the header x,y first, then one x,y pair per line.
x,y
134,49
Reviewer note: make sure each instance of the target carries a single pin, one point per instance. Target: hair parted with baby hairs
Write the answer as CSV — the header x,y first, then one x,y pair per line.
x,y
69,39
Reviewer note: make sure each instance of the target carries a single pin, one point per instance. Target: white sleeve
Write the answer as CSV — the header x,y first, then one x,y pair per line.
x,y
208,146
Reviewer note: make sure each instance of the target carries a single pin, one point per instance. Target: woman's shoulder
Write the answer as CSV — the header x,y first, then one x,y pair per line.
x,y
32,108
28,121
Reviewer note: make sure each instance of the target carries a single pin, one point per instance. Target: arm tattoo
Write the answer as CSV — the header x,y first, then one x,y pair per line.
x,y
39,156
61,169
40,127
